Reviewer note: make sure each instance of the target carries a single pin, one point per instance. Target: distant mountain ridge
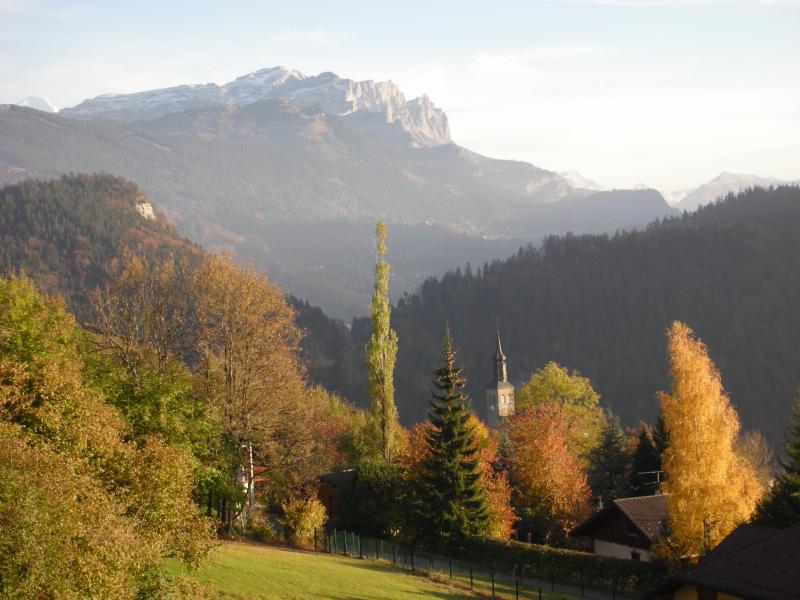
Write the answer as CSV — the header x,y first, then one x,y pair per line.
x,y
424,124
722,185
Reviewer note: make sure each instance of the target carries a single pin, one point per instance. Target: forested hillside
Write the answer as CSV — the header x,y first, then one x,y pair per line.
x,y
64,233
601,304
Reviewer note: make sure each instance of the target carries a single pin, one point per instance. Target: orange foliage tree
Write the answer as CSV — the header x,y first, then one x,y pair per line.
x,y
549,481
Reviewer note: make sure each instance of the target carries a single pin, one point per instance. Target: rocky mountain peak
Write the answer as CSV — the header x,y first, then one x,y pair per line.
x,y
424,124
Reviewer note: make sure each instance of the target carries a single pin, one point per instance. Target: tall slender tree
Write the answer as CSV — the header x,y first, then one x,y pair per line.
x,y
452,502
709,488
383,433
781,507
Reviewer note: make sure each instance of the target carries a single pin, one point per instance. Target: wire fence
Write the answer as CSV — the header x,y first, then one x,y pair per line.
x,y
520,582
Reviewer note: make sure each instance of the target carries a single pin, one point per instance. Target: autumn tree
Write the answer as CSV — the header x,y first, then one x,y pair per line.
x,y
382,432
756,452
781,506
142,314
608,473
250,370
709,488
84,512
554,384
451,503
551,490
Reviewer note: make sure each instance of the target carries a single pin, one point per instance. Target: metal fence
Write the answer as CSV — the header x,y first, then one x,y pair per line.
x,y
523,581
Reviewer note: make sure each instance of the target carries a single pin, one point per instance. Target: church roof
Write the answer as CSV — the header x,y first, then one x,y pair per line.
x,y
499,353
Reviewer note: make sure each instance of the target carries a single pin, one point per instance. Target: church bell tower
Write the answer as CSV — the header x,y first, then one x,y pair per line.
x,y
500,393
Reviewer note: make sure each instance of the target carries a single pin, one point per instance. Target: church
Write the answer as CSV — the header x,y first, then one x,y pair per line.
x,y
500,393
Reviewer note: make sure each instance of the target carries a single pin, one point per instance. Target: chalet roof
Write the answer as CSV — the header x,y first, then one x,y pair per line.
x,y
754,562
647,513
339,479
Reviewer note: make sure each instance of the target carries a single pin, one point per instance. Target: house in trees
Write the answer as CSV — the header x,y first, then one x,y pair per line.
x,y
332,487
500,393
752,563
626,527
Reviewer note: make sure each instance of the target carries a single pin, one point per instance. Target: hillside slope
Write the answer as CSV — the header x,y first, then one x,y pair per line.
x,y
602,304
64,233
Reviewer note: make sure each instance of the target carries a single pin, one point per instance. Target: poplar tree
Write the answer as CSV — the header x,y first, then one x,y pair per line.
x,y
781,507
709,488
383,426
452,502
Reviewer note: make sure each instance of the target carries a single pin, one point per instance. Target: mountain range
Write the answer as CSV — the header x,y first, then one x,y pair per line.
x,y
274,159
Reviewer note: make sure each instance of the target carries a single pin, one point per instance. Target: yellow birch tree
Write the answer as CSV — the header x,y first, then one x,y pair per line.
x,y
710,488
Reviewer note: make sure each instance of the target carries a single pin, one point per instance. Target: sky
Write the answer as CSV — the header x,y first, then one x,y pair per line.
x,y
668,93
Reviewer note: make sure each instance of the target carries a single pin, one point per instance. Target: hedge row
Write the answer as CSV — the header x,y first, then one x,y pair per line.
x,y
567,566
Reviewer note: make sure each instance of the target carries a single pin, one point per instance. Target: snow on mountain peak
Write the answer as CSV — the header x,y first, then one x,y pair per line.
x,y
578,181
38,103
424,124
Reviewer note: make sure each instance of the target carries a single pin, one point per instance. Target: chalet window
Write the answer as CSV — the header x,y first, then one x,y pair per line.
x,y
636,555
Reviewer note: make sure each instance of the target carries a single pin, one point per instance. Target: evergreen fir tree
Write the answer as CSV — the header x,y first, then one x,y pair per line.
x,y
646,463
781,506
608,464
452,502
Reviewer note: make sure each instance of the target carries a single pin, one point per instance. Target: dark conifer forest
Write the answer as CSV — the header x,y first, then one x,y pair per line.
x,y
601,304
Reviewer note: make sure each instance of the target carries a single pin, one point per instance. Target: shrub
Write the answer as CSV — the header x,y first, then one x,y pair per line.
x,y
301,517
564,565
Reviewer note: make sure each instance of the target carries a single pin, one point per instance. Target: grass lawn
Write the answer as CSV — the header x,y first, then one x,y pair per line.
x,y
248,571
245,571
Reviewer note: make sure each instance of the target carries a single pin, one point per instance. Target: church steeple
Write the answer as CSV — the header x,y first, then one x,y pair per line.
x,y
500,393
500,362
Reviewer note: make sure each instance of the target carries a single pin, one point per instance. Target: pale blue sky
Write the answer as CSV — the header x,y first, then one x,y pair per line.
x,y
669,93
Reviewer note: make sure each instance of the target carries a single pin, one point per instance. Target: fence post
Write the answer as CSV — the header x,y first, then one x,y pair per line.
x,y
335,543
516,588
412,558
492,570
394,554
345,542
540,593
582,595
450,566
360,549
379,545
471,585
315,539
614,588
552,580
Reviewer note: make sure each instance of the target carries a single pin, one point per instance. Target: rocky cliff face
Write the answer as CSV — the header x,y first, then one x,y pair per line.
x,y
422,124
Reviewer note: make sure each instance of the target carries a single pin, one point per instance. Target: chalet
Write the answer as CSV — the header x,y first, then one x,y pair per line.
x,y
752,563
626,527
332,487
